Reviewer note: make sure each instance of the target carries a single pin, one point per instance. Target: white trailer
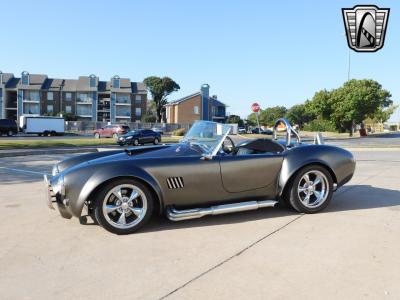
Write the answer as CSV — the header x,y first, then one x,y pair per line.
x,y
42,125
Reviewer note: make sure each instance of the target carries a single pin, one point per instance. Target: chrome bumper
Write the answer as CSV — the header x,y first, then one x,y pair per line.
x,y
49,194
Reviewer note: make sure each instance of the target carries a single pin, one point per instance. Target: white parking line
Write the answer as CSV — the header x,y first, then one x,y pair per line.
x,y
23,171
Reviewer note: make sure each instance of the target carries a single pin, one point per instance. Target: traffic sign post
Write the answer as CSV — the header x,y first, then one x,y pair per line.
x,y
256,109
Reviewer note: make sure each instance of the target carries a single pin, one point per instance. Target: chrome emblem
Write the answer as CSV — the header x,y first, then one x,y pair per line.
x,y
365,27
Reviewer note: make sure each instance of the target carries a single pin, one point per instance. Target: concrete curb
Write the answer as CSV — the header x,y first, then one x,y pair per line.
x,y
13,153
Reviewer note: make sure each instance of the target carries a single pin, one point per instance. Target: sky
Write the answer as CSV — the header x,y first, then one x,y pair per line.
x,y
270,52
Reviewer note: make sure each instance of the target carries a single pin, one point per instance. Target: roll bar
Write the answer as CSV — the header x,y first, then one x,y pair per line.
x,y
289,130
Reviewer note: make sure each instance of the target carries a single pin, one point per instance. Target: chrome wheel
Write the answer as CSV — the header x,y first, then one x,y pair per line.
x,y
313,189
124,206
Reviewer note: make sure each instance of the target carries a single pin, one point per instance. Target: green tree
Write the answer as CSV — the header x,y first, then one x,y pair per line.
x,y
160,88
268,116
234,119
320,105
298,114
357,100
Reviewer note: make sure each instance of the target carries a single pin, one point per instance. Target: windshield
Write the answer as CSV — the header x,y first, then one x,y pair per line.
x,y
207,135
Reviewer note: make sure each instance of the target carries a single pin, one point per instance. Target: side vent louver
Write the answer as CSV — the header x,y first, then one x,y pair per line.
x,y
175,182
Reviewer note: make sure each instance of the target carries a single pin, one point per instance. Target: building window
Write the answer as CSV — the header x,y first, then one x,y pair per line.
x,y
68,109
31,109
123,111
138,99
123,98
138,112
84,110
25,78
49,109
68,96
1,78
116,82
92,81
32,96
50,96
83,98
196,110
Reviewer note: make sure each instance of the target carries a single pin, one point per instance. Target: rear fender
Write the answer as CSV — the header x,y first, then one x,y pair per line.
x,y
339,162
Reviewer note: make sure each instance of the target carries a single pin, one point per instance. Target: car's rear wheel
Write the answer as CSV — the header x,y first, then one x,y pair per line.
x,y
10,133
97,135
135,142
311,189
156,141
123,206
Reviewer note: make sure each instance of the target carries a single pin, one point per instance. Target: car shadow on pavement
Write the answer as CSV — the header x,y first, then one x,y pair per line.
x,y
352,197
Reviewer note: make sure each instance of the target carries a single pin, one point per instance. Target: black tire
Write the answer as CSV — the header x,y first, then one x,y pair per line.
x,y
115,136
295,195
101,197
135,142
156,141
97,135
53,133
10,133
45,133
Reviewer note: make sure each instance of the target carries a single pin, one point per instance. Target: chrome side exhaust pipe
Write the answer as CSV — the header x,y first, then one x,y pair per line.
x,y
179,215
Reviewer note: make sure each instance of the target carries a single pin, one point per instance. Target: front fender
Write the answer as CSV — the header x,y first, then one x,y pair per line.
x,y
104,172
340,162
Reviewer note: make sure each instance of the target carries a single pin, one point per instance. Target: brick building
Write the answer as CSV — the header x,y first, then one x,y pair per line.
x,y
118,99
197,106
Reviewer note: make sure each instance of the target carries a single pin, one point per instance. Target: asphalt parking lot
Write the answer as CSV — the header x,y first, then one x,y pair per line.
x,y
350,251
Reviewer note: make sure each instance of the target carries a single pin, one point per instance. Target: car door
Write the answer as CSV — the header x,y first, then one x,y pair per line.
x,y
240,173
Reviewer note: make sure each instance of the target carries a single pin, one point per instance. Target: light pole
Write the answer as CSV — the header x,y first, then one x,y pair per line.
x,y
349,65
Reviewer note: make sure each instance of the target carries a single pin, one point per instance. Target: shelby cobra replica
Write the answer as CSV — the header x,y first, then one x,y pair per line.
x,y
204,174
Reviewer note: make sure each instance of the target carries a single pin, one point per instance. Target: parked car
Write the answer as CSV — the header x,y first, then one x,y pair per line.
x,y
241,130
160,130
204,174
140,136
111,131
8,127
256,130
267,132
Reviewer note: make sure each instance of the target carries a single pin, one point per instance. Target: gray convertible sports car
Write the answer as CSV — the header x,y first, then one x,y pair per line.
x,y
204,174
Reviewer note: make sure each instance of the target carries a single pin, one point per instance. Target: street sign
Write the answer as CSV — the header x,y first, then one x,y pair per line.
x,y
255,107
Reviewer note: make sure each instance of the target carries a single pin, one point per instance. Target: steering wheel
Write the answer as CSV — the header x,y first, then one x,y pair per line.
x,y
228,149
289,131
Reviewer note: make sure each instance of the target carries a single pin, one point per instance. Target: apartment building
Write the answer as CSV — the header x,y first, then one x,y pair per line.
x,y
197,106
87,97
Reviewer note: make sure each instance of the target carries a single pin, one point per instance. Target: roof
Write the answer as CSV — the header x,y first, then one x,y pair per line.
x,y
6,77
70,85
215,102
84,84
184,99
138,87
36,82
124,86
13,83
53,84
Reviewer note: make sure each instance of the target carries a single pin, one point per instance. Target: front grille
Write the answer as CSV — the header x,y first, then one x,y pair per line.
x,y
175,182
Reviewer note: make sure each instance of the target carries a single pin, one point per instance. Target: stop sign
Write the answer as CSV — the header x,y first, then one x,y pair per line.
x,y
255,107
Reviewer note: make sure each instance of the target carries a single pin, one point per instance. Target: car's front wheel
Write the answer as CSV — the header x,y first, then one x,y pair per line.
x,y
123,206
311,189
156,141
135,142
97,135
